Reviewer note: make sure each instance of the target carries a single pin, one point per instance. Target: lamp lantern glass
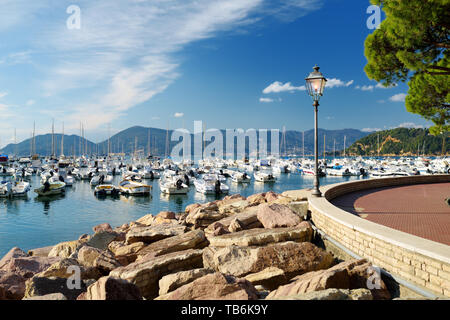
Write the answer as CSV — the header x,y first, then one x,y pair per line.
x,y
315,84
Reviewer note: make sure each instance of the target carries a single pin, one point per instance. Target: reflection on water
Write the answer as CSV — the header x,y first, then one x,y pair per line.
x,y
32,221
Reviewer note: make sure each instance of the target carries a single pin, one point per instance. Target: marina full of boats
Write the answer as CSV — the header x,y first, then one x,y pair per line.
x,y
208,177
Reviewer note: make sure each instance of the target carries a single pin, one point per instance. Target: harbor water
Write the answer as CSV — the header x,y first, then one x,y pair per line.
x,y
33,222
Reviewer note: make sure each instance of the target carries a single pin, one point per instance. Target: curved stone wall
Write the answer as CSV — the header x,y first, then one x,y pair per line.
x,y
419,261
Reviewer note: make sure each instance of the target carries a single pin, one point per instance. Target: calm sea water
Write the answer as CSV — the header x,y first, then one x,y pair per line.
x,y
32,223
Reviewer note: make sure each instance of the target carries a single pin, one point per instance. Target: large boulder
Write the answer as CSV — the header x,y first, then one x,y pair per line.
x,y
203,216
233,204
126,254
257,199
93,257
194,239
165,217
214,286
66,249
173,281
41,286
29,266
330,294
40,252
291,257
109,288
270,278
277,216
146,220
351,274
260,237
12,286
247,218
102,239
13,253
154,233
147,272
67,268
48,297
297,195
102,227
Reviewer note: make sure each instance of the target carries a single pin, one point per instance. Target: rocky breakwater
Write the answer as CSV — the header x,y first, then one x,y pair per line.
x,y
236,248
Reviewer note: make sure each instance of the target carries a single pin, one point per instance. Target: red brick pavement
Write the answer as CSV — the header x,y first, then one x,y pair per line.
x,y
420,210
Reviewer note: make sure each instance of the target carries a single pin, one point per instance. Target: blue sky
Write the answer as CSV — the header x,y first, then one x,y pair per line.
x,y
229,63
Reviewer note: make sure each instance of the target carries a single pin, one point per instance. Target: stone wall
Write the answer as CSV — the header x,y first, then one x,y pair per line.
x,y
419,261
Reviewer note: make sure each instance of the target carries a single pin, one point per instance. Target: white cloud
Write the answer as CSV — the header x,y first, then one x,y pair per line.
x,y
365,88
3,94
178,115
380,86
410,125
371,87
337,83
265,100
371,129
398,97
30,103
277,87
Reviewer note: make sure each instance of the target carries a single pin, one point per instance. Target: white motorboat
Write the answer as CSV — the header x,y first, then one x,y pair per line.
x,y
240,177
211,186
20,188
5,189
173,186
262,176
54,188
131,187
105,190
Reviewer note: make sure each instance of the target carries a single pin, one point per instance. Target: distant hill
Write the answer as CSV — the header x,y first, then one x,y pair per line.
x,y
401,141
43,145
137,139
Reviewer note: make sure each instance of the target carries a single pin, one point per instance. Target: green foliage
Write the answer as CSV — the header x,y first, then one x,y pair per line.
x,y
412,45
401,141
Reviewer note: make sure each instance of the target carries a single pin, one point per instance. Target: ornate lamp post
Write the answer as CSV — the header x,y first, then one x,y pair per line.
x,y
315,83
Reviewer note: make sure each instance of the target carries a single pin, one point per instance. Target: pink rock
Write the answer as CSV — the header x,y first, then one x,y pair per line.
x,y
108,288
13,253
271,196
277,216
102,227
12,286
218,229
166,215
29,266
215,286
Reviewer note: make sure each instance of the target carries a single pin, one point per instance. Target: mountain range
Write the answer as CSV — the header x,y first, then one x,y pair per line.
x,y
139,138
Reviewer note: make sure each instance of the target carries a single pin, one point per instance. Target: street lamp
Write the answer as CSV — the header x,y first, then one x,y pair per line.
x,y
315,83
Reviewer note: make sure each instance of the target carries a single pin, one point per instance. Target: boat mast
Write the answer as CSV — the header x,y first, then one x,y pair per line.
x,y
53,138
345,137
166,152
324,147
148,143
33,146
62,142
15,144
334,149
303,138
109,135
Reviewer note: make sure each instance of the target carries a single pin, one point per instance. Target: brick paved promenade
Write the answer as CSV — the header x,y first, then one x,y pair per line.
x,y
420,209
